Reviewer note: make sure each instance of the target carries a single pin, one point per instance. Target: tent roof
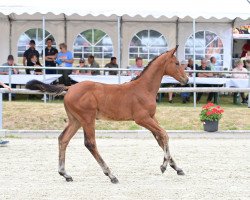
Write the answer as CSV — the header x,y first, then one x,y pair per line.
x,y
204,10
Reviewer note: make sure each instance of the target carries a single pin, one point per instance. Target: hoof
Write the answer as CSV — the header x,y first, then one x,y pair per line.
x,y
69,179
163,169
61,174
114,180
180,172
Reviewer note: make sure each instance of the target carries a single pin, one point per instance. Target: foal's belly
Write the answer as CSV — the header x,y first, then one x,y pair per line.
x,y
111,118
114,113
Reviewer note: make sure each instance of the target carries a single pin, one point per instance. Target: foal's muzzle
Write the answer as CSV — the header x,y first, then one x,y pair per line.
x,y
184,80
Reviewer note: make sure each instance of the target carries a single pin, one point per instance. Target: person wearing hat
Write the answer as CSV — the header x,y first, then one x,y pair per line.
x,y
27,53
239,68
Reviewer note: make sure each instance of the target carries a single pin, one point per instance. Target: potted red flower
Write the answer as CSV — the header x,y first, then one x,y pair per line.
x,y
210,116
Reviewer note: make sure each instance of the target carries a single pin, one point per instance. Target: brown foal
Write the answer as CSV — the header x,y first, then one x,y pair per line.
x,y
136,100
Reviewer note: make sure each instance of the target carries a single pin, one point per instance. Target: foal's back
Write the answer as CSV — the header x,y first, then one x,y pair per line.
x,y
114,101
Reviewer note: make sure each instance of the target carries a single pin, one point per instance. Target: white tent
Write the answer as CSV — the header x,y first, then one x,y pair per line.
x,y
122,19
180,8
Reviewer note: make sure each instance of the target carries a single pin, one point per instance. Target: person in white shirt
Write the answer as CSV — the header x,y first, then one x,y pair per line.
x,y
138,65
239,68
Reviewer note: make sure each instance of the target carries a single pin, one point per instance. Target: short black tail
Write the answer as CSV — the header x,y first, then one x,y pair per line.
x,y
43,87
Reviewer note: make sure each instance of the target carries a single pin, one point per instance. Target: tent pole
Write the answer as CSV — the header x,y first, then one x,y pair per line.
x,y
232,44
65,28
10,52
1,111
119,46
194,66
10,35
43,41
177,34
44,71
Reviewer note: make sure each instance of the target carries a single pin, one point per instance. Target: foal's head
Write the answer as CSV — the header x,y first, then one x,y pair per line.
x,y
173,67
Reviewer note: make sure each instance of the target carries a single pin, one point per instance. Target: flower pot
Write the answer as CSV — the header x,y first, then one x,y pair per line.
x,y
210,126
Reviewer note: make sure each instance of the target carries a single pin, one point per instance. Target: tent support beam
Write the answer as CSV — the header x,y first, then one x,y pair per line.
x,y
177,35
44,71
119,44
10,34
65,28
194,60
232,41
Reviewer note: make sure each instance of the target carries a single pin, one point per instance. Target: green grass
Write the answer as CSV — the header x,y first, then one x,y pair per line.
x,y
13,137
35,115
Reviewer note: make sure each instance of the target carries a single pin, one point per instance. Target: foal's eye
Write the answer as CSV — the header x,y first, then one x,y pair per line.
x,y
177,63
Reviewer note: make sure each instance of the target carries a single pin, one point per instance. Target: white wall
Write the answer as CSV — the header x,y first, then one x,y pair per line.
x,y
19,27
4,40
129,29
74,28
224,31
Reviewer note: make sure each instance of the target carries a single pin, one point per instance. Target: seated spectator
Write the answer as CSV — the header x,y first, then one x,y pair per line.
x,y
93,64
82,71
112,64
10,62
239,68
5,71
138,65
214,67
185,95
35,62
204,75
191,64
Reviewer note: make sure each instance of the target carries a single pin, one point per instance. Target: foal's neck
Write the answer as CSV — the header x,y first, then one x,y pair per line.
x,y
151,78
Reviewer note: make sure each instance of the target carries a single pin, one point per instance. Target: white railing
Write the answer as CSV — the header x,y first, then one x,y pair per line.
x,y
194,72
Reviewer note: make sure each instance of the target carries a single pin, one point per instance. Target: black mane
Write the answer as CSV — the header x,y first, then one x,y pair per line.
x,y
148,65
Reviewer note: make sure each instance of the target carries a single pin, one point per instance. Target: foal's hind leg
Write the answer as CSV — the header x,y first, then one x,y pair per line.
x,y
63,141
162,139
90,143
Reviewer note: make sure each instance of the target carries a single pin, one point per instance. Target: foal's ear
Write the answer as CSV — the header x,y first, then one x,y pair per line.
x,y
174,50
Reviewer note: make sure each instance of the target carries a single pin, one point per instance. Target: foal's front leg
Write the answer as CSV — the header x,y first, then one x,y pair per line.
x,y
162,139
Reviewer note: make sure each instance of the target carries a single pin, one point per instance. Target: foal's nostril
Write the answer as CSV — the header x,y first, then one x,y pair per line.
x,y
184,80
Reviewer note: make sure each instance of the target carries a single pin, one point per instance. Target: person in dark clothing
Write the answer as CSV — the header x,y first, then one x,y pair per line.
x,y
35,62
112,64
191,64
27,53
50,56
93,64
